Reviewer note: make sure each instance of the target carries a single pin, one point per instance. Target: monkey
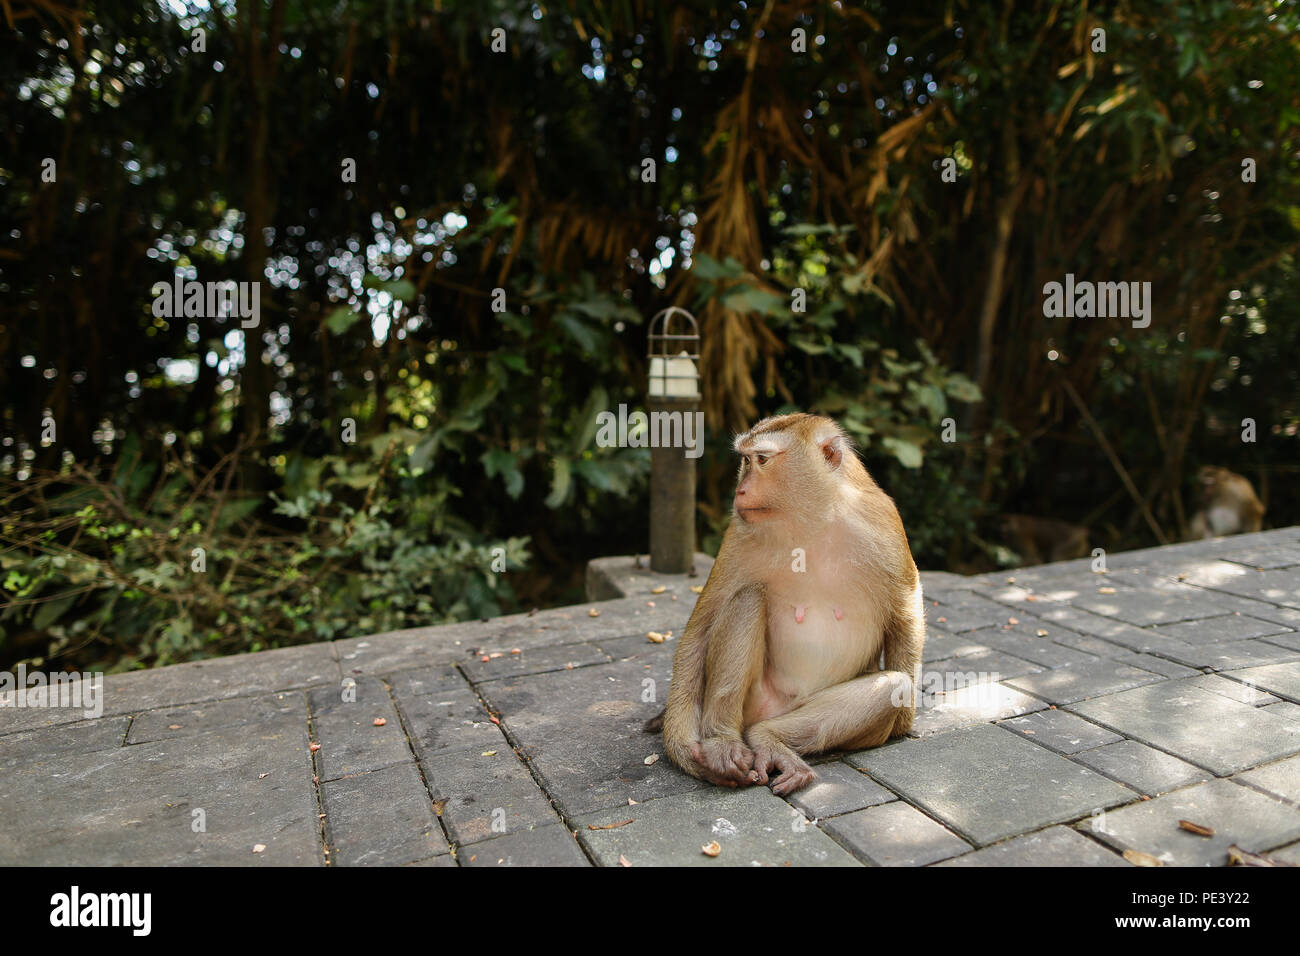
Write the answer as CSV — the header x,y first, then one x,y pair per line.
x,y
1032,537
813,586
1229,505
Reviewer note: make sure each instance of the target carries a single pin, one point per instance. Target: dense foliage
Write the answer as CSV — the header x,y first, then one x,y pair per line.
x,y
386,450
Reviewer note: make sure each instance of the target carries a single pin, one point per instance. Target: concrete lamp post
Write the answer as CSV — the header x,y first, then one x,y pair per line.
x,y
674,354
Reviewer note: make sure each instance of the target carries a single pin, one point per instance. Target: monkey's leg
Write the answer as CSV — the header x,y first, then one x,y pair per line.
x,y
904,643
859,713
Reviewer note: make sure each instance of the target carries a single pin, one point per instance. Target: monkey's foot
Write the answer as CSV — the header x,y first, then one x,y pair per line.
x,y
724,761
791,772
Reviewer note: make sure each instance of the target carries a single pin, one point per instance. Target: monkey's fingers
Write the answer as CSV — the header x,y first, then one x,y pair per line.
x,y
723,761
791,772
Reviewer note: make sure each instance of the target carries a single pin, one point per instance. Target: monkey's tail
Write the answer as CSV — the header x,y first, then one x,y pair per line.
x,y
655,724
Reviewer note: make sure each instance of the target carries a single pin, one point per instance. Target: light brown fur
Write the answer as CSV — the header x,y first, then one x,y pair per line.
x,y
1229,505
1044,539
777,663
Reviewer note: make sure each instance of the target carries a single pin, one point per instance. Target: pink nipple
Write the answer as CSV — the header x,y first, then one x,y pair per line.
x,y
839,615
798,614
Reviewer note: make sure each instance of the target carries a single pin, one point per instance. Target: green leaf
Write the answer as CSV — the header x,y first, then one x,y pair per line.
x,y
704,266
961,388
749,299
930,398
51,611
809,346
579,331
852,352
499,461
561,481
908,455
342,319
400,289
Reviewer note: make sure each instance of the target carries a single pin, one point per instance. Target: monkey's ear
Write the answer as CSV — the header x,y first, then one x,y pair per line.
x,y
833,451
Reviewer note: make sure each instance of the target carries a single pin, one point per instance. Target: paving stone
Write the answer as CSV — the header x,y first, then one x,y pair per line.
x,y
1247,653
1238,654
974,668
550,845
581,732
1055,846
839,788
1280,587
1220,630
240,675
1289,639
1142,607
36,747
895,834
1198,725
1288,854
1061,731
1243,692
1281,779
1075,682
381,818
639,648
1136,639
988,784
1266,558
190,719
941,646
628,575
538,661
958,620
133,805
1157,665
485,793
1089,644
1023,641
625,617
345,729
441,713
445,860
753,827
1285,709
1143,768
384,654
1280,679
974,704
1237,815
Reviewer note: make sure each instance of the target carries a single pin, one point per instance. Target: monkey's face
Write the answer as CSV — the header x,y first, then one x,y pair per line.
x,y
757,499
788,474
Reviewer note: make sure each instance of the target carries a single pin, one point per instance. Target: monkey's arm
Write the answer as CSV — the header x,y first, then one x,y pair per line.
x,y
719,658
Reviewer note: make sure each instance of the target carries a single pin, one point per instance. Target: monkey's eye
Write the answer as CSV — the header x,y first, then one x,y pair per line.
x,y
761,459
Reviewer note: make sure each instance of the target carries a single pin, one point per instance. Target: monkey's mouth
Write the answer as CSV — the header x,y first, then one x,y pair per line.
x,y
746,513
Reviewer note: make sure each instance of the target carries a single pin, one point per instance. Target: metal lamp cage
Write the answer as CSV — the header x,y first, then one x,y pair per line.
x,y
668,345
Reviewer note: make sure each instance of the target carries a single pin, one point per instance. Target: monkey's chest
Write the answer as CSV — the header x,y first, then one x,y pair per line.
x,y
1223,520
817,638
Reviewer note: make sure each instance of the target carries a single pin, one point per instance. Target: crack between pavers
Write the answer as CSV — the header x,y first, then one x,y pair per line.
x,y
316,781
517,748
452,847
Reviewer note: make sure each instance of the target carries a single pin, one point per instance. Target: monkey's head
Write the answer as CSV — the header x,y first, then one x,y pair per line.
x,y
794,469
1208,480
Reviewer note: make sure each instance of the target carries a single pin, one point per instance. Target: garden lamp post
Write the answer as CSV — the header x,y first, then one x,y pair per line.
x,y
674,354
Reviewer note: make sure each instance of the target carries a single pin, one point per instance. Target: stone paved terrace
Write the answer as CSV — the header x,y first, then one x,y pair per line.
x,y
1082,715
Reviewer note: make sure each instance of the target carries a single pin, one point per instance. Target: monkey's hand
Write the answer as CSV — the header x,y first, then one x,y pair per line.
x,y
774,759
725,761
